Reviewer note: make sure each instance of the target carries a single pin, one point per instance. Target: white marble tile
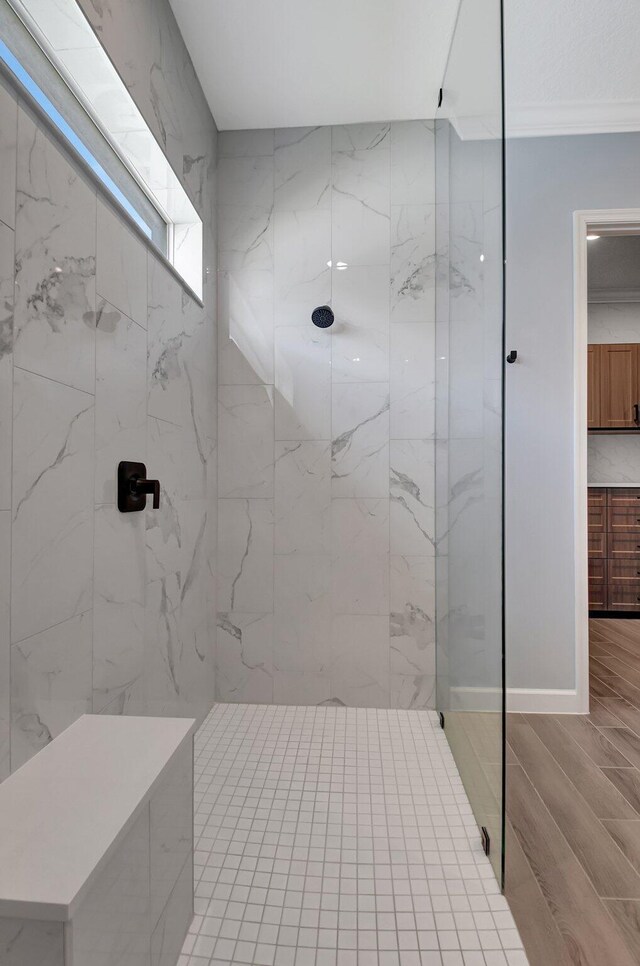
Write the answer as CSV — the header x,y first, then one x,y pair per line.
x,y
170,830
360,334
302,497
245,439
121,397
412,628
301,688
412,163
613,460
167,385
245,238
164,658
245,556
50,685
121,265
163,526
412,692
302,248
244,658
360,443
614,322
302,613
360,664
246,181
413,263
466,508
245,144
361,137
361,207
8,142
302,168
466,379
112,923
245,334
412,380
198,603
302,383
119,579
198,419
360,556
24,943
52,543
5,639
6,361
54,326
465,267
412,468
168,936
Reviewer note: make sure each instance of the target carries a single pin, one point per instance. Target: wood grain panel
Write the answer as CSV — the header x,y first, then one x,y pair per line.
x,y
579,825
594,353
593,742
576,765
539,932
618,367
627,781
589,933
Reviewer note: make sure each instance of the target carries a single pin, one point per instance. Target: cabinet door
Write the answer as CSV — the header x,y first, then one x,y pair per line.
x,y
593,385
618,385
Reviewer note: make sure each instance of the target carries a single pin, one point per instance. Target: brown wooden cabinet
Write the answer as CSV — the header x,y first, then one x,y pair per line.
x,y
614,549
613,379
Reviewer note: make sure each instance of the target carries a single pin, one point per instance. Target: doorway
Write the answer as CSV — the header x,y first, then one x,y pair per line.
x,y
607,423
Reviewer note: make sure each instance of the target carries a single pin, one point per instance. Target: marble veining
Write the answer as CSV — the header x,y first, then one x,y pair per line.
x,y
326,505
54,327
104,356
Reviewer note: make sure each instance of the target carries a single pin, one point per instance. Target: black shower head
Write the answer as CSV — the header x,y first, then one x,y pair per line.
x,y
322,316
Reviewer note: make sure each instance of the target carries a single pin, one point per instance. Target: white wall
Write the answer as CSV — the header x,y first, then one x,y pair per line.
x,y
547,180
326,461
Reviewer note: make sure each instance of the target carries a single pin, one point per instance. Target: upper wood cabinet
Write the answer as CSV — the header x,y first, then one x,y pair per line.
x,y
613,386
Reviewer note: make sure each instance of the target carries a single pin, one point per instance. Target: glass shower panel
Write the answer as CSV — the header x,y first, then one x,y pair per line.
x,y
469,411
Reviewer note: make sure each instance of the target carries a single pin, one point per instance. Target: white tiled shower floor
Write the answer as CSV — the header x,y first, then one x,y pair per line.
x,y
338,837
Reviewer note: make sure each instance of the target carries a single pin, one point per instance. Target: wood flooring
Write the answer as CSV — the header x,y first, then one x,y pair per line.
x,y
573,816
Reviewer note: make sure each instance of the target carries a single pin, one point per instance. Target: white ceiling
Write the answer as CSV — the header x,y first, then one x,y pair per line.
x,y
572,66
289,63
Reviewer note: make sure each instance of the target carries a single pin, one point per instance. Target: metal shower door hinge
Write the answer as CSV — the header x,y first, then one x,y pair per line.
x,y
486,840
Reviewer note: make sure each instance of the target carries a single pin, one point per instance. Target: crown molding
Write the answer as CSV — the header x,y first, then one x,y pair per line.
x,y
573,117
605,295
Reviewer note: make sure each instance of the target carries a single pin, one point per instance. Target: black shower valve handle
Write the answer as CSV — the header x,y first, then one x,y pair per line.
x,y
133,487
139,485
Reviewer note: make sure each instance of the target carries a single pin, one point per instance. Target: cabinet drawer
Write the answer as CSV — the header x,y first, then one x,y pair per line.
x,y
597,545
597,519
597,595
623,571
624,597
623,545
624,495
597,496
623,518
598,568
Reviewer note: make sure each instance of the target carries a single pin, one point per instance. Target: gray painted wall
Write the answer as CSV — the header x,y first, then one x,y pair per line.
x,y
547,180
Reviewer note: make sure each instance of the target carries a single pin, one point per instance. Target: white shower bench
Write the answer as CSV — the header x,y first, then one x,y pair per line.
x,y
96,846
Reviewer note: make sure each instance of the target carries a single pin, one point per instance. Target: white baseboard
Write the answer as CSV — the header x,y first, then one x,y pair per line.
x,y
522,700
543,701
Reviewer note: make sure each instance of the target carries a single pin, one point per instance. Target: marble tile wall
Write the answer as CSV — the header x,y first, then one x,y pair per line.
x,y
326,437
103,356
